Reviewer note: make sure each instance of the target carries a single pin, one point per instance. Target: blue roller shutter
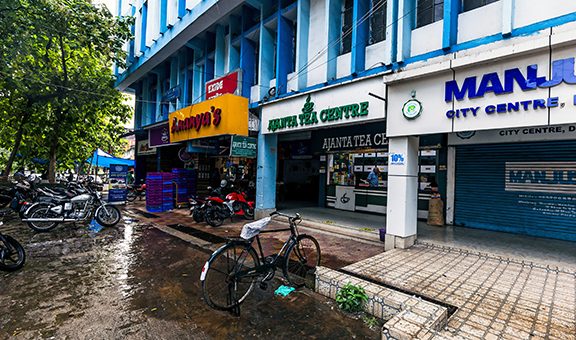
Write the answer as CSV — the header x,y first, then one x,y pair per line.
x,y
524,188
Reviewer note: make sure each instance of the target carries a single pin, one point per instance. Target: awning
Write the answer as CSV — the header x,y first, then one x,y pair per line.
x,y
102,159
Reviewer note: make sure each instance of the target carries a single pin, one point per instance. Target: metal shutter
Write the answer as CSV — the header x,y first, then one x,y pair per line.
x,y
524,188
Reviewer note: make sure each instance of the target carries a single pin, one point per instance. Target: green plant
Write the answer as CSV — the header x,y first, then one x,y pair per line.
x,y
351,298
370,321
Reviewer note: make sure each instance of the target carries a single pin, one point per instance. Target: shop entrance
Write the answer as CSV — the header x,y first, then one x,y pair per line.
x,y
298,175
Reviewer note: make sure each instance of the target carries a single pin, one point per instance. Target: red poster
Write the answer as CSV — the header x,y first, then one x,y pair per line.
x,y
222,85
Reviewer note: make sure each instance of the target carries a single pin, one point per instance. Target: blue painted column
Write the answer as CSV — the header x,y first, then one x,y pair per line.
x,y
173,78
247,63
266,174
450,33
219,55
303,28
405,27
198,76
158,109
391,31
138,107
334,23
359,35
284,53
266,63
143,27
181,8
145,101
233,52
163,16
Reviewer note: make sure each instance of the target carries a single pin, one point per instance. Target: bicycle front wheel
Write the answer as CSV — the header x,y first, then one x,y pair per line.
x,y
302,258
223,284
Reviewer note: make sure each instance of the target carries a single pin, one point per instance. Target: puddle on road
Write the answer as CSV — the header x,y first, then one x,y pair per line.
x,y
134,281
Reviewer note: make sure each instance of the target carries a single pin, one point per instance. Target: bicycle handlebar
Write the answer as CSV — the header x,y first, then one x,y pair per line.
x,y
291,218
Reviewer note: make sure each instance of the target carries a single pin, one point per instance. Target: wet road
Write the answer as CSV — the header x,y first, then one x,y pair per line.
x,y
136,282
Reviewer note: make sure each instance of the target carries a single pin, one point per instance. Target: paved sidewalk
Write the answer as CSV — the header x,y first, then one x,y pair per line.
x,y
496,297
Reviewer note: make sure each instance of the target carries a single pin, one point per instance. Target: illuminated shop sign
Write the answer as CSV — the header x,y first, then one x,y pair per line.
x,y
472,87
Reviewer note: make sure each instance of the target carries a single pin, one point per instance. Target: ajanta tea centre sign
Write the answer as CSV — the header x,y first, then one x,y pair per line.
x,y
310,117
342,105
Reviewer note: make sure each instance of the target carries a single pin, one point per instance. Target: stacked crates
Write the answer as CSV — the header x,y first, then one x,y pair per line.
x,y
159,191
185,185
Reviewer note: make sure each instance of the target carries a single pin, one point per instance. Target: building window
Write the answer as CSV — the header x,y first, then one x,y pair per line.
x,y
429,11
377,21
346,34
468,5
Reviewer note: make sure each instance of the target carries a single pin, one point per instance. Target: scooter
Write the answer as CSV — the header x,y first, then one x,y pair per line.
x,y
234,204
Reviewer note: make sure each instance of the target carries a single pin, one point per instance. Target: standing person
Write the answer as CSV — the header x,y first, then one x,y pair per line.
x,y
215,177
373,177
130,177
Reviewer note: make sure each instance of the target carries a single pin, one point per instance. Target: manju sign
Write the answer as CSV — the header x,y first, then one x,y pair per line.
x,y
343,105
226,114
241,146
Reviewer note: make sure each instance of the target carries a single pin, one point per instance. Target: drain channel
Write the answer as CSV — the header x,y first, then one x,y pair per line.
x,y
198,233
451,309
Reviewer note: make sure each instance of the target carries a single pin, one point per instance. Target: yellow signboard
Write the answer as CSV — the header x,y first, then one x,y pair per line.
x,y
224,115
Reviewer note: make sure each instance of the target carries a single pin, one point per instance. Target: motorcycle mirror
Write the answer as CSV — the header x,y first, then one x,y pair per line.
x,y
209,188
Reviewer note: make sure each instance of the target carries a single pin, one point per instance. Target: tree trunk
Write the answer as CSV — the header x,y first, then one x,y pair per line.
x,y
52,161
17,142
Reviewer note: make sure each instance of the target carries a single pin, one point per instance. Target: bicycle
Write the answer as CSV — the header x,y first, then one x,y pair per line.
x,y
231,272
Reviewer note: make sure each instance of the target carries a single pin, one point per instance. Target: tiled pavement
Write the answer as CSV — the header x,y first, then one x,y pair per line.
x,y
496,298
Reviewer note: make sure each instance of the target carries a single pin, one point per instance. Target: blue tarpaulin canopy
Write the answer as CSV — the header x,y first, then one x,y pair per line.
x,y
102,159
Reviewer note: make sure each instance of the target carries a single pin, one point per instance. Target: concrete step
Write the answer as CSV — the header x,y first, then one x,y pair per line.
x,y
350,232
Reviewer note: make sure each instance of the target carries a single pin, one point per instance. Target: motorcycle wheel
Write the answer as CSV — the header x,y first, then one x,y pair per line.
x,y
248,213
12,255
107,215
198,216
42,211
131,196
213,218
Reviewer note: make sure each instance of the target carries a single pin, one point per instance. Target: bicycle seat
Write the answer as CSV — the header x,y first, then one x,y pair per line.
x,y
251,230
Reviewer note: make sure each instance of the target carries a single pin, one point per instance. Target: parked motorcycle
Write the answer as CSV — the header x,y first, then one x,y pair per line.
x,y
197,209
234,204
46,215
12,254
135,192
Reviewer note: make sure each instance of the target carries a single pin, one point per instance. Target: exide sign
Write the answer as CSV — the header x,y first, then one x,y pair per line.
x,y
214,116
223,85
562,71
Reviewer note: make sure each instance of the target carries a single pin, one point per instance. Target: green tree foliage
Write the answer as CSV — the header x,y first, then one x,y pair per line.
x,y
57,95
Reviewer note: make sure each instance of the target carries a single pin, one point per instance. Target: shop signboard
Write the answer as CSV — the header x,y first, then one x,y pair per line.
x,y
346,104
246,147
514,135
171,94
229,83
159,136
143,148
223,115
365,136
533,90
117,183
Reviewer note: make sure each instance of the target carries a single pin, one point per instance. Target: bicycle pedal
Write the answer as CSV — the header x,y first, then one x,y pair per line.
x,y
263,285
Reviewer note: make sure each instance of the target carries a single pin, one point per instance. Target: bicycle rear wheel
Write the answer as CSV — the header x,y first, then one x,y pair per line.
x,y
221,286
302,258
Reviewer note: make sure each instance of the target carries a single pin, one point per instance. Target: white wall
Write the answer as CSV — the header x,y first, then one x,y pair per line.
x,y
192,3
528,12
376,53
317,41
153,22
137,33
343,64
172,12
427,38
480,22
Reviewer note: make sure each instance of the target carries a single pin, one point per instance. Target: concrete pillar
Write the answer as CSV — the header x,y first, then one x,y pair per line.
x,y
266,174
402,206
406,22
302,31
219,52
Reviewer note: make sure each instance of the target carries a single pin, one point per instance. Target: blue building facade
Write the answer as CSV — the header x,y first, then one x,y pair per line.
x,y
309,67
